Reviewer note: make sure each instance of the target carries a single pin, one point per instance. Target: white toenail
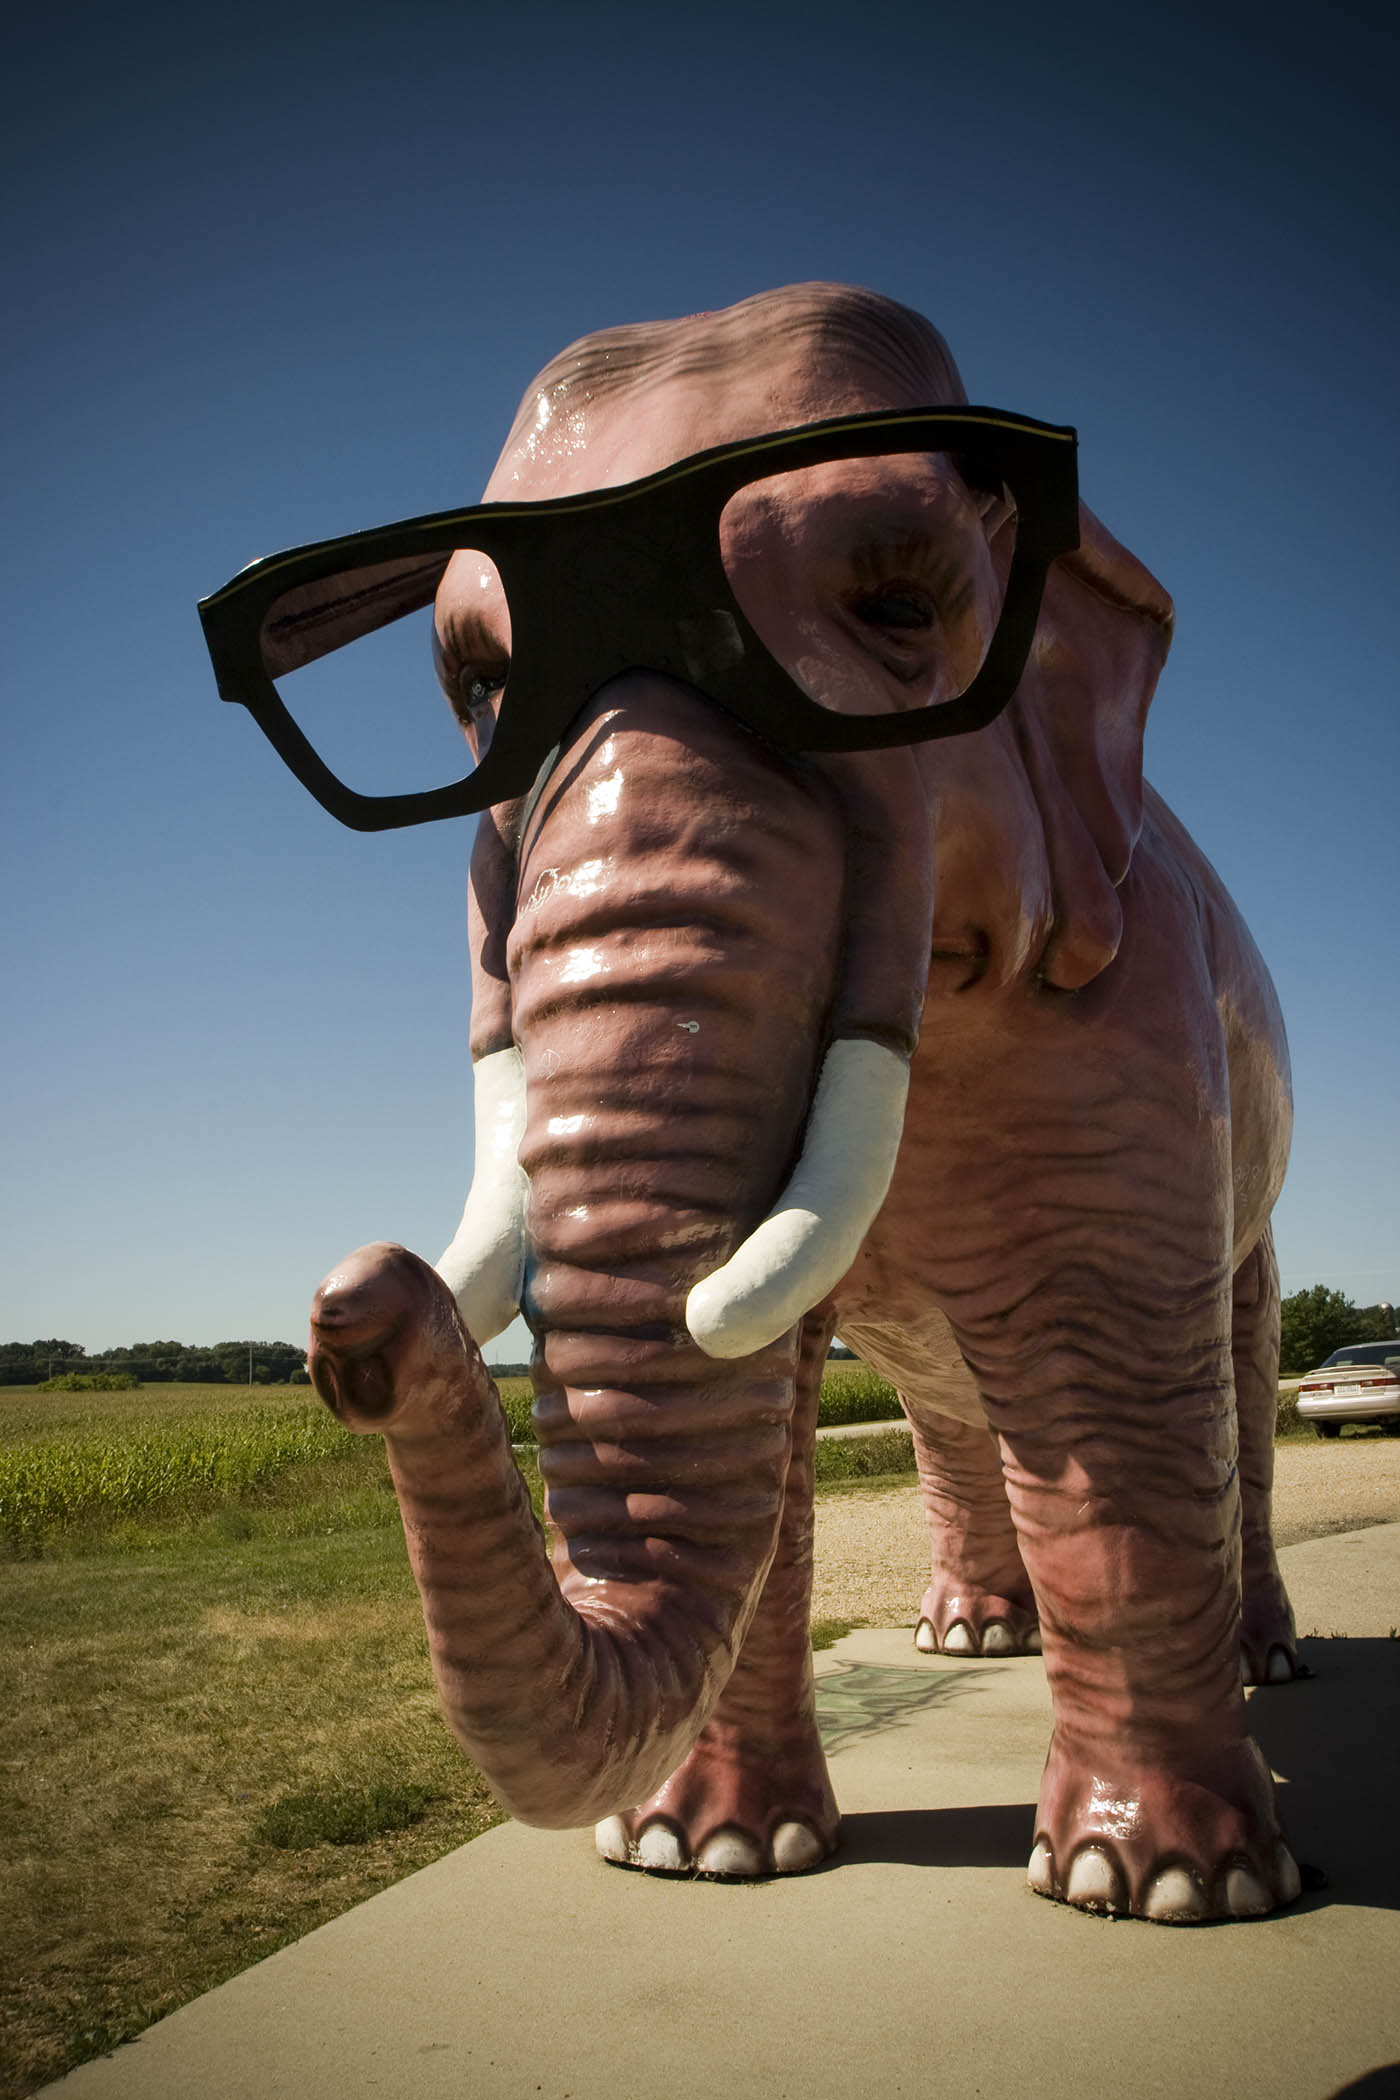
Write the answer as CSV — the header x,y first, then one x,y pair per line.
x,y
1174,1898
795,1848
1092,1883
610,1836
659,1848
1287,1879
730,1854
1245,1894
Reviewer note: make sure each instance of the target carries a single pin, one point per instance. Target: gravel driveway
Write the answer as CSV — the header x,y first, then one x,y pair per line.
x,y
872,1551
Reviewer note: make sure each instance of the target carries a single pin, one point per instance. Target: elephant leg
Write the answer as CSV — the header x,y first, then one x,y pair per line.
x,y
1268,1641
1154,1800
979,1599
753,1796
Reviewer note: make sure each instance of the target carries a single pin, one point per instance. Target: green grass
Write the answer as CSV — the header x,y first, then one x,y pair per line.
x,y
341,1815
838,1460
172,1724
99,1469
181,1466
27,1416
825,1633
1290,1423
26,1413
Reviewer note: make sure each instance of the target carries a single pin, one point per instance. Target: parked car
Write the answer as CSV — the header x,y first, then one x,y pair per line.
x,y
1358,1383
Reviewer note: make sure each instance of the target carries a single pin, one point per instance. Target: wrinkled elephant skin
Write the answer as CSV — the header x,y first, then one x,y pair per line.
x,y
704,975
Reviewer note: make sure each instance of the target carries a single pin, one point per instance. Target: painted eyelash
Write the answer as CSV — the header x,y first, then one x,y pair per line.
x,y
877,564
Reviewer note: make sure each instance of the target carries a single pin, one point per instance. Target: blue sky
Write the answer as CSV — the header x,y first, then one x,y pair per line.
x,y
284,276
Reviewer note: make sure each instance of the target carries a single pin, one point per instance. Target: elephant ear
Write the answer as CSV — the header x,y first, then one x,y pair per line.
x,y
1080,712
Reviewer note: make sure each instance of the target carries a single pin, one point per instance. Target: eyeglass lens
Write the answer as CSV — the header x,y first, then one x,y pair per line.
x,y
876,585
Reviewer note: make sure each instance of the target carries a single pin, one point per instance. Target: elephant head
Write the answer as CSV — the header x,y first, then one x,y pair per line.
x,y
976,861
699,969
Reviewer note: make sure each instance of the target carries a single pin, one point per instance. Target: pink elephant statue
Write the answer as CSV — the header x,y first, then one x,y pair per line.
x,y
955,1045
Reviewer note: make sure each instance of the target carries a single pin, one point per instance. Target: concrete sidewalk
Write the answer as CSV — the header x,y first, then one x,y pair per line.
x,y
918,1963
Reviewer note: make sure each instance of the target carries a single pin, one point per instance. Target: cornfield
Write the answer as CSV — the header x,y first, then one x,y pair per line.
x,y
182,1465
199,1464
852,1392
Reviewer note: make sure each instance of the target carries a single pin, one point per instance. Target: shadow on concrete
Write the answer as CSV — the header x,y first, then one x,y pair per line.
x,y
855,1700
1381,2084
999,1836
1332,1739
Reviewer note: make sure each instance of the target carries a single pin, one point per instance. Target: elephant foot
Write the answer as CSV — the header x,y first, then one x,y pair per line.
x,y
733,1811
963,1620
1268,1642
1179,1848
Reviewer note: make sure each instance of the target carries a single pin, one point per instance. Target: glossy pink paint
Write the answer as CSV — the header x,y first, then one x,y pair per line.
x,y
1070,1281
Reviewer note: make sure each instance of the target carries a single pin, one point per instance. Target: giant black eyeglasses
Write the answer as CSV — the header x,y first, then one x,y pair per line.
x,y
621,578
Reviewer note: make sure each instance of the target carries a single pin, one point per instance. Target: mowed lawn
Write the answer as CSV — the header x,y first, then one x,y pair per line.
x,y
218,1726
173,1674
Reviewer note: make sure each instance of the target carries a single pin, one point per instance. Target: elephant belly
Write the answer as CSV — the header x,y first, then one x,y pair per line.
x,y
922,1361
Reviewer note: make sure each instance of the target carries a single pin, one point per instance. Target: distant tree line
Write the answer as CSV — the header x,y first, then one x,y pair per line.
x,y
1317,1321
154,1363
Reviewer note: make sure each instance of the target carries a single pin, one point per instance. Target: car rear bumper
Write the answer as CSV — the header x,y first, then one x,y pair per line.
x,y
1354,1407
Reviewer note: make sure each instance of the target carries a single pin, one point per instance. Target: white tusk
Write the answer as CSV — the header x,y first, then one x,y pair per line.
x,y
813,1233
484,1268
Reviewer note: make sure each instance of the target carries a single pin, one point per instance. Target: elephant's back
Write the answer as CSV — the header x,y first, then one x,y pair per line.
x,y
1251,1020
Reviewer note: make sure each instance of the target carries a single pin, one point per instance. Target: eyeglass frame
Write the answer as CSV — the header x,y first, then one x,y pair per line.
x,y
647,567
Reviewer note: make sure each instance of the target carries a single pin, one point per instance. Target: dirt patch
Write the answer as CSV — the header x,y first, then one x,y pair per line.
x,y
872,1549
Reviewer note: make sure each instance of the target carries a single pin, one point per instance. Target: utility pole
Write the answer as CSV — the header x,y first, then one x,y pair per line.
x,y
250,1363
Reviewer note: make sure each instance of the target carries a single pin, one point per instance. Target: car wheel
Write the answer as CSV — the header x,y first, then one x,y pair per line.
x,y
1328,1428
1391,1425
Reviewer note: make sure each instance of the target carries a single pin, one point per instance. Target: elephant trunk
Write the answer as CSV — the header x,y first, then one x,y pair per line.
x,y
674,964
578,1689
798,1253
802,1249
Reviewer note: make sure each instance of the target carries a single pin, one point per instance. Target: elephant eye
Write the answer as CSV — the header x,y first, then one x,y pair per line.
x,y
473,692
895,609
478,689
471,687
